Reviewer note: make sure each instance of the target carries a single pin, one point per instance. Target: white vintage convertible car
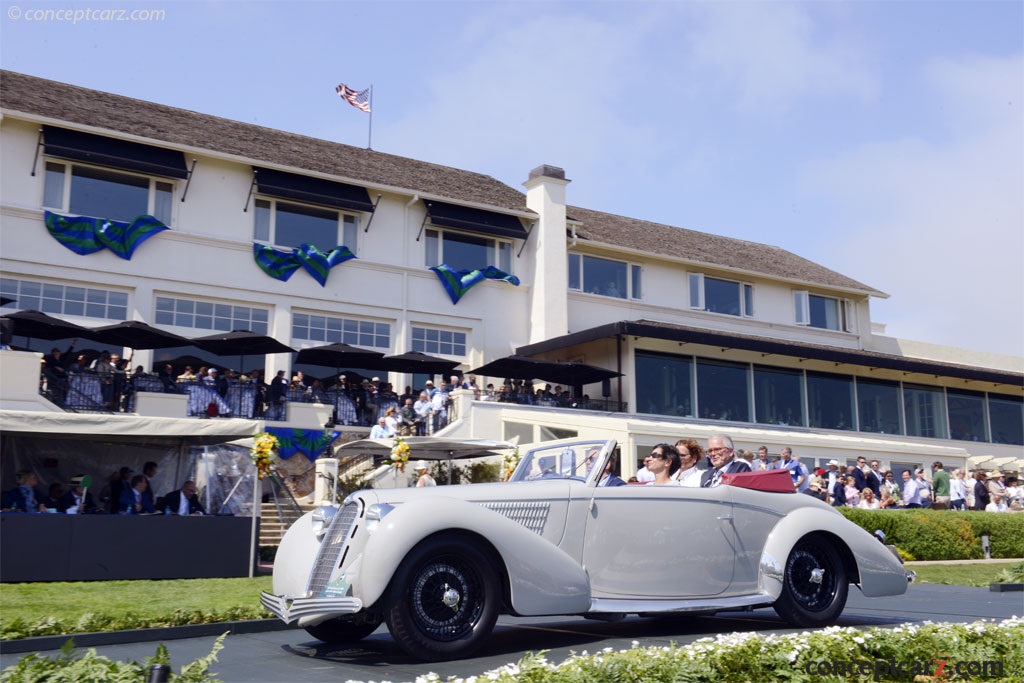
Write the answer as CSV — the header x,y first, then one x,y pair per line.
x,y
439,565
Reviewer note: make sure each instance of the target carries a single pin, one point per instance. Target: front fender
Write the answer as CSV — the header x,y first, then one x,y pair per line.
x,y
879,571
543,580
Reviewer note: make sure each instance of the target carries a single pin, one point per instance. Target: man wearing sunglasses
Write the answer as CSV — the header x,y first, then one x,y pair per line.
x,y
720,450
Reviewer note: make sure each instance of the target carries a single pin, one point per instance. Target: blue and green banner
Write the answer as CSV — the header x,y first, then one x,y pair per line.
x,y
458,282
280,264
86,235
311,442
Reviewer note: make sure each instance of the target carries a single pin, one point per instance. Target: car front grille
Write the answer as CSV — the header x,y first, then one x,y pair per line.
x,y
331,548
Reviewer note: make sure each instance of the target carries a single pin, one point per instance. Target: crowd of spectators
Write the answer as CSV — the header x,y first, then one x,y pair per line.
x,y
123,493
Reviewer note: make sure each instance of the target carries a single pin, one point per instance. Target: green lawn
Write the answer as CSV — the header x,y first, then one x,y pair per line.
x,y
961,574
44,608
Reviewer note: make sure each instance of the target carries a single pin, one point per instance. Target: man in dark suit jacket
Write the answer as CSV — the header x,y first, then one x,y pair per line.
x,y
132,502
722,454
184,501
859,480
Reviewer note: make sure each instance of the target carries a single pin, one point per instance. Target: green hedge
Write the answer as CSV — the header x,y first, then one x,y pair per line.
x,y
945,534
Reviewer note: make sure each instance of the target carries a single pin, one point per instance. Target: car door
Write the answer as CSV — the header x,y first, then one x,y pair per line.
x,y
659,541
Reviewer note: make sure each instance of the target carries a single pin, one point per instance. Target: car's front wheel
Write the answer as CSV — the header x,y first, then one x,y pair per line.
x,y
342,630
444,600
815,584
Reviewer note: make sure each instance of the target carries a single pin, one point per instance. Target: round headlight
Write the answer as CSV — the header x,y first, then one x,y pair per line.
x,y
321,519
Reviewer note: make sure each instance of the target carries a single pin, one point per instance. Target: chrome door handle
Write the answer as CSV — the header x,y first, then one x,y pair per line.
x,y
729,517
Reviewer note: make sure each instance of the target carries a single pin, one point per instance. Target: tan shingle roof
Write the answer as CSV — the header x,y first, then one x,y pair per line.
x,y
41,97
181,127
704,248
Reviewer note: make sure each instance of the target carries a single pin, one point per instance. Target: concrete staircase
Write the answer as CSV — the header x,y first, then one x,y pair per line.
x,y
273,524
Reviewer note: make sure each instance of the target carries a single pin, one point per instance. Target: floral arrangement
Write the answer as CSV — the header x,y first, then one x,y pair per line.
x,y
511,461
264,452
400,453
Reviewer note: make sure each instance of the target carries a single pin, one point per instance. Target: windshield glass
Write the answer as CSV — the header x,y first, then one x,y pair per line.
x,y
577,460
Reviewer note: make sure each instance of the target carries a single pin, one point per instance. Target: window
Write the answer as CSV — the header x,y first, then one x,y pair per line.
x,y
723,390
605,277
331,330
205,315
778,396
462,251
924,408
966,415
821,311
878,406
57,299
664,384
1006,414
102,193
829,401
721,296
290,225
438,342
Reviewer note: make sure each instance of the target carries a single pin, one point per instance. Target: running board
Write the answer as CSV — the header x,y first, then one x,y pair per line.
x,y
708,604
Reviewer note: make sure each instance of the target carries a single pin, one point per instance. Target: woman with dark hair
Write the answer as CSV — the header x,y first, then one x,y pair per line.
x,y
663,462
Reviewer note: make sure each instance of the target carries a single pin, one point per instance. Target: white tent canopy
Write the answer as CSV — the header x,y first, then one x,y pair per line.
x,y
430,447
115,427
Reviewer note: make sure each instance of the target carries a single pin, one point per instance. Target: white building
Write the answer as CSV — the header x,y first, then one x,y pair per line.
x,y
711,333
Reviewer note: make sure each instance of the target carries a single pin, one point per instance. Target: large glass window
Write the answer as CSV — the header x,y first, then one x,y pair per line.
x,y
878,406
466,252
290,225
102,193
595,275
438,342
723,390
829,401
1006,414
778,396
664,384
823,312
924,408
57,299
206,315
721,296
966,415
333,330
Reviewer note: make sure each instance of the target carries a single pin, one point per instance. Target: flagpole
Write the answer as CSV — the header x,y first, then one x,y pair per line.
x,y
369,134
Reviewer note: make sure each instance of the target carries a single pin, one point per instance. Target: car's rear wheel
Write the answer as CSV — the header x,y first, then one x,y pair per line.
x,y
815,584
342,630
444,600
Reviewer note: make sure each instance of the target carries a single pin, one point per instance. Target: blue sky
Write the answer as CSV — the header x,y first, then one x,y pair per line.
x,y
884,140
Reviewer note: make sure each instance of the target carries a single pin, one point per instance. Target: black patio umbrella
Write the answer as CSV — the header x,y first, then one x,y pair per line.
x,y
4,300
414,361
38,325
339,356
241,343
570,373
136,334
179,363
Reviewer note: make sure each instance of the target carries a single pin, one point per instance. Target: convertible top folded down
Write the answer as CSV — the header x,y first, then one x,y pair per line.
x,y
776,481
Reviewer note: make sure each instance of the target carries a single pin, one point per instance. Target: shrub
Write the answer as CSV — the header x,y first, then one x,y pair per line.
x,y
268,553
1005,531
92,668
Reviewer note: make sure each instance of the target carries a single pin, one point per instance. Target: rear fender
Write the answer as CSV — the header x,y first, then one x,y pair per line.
x,y
878,571
542,578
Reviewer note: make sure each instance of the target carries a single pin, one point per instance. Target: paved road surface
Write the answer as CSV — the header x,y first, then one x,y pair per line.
x,y
291,656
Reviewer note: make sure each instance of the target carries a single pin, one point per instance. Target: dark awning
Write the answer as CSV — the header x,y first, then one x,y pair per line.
x,y
123,154
475,220
313,190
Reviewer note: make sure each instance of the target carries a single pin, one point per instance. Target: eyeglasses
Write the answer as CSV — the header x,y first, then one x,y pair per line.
x,y
659,456
723,449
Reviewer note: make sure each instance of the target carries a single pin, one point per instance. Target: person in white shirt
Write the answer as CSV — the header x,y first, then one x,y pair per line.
x,y
690,453
380,430
996,505
424,478
957,491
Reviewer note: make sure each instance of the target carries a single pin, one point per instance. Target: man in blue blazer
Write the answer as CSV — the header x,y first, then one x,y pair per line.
x,y
184,501
722,454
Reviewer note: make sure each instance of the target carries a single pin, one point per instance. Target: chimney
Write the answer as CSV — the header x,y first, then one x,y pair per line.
x,y
549,311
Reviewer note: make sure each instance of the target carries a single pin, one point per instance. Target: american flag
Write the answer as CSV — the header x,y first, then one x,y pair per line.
x,y
359,100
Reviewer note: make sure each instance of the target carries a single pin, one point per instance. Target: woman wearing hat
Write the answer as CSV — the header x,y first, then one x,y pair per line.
x,y
424,478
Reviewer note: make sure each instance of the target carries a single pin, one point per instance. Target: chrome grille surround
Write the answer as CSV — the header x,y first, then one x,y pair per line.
x,y
332,547
532,515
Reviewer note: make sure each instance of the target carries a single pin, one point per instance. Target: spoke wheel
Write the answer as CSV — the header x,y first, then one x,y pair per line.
x,y
815,584
445,600
341,630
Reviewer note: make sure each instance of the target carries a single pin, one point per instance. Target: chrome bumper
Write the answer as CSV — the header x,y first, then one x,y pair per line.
x,y
289,609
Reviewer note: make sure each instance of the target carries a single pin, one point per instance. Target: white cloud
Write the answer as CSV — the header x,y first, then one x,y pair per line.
x,y
940,224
